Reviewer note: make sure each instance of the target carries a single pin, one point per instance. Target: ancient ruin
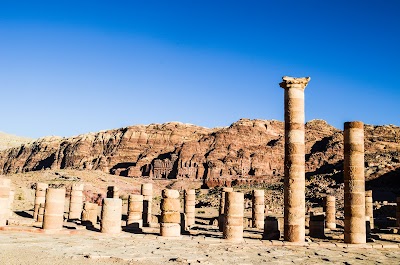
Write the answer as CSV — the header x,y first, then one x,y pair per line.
x,y
147,192
221,209
170,225
369,208
5,188
258,207
233,216
89,214
76,201
53,218
189,207
111,214
330,211
354,183
135,211
294,158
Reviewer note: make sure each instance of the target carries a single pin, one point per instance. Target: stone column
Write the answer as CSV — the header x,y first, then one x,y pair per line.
x,y
40,215
170,214
330,210
258,209
190,207
354,183
54,209
234,212
113,192
147,192
40,198
89,214
111,214
369,208
222,207
76,201
11,201
135,211
5,188
294,183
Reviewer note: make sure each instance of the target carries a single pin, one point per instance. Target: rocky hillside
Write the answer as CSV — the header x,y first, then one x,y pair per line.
x,y
245,152
9,140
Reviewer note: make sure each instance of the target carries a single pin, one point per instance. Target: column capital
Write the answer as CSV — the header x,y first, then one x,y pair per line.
x,y
297,82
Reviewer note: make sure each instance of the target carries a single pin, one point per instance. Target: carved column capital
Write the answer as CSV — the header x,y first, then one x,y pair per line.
x,y
295,82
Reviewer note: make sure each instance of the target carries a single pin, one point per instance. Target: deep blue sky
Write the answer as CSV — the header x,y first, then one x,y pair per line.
x,y
71,67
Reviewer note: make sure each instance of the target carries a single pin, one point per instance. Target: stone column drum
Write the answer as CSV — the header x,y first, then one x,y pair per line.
x,y
190,207
233,220
111,214
294,182
40,197
222,207
147,192
258,209
76,201
54,209
5,188
170,214
369,208
354,183
89,214
135,211
40,213
330,210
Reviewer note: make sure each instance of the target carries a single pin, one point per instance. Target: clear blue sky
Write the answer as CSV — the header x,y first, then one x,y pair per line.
x,y
71,67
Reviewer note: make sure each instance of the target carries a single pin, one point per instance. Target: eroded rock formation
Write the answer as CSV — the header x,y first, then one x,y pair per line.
x,y
245,152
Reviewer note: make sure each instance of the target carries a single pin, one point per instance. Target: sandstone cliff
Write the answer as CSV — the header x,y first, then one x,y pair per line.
x,y
245,152
9,140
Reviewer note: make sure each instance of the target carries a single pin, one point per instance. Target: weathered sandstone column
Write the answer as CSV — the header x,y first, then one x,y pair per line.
x,y
113,192
222,207
398,211
294,184
111,214
354,183
369,208
317,226
135,211
40,197
89,214
330,210
258,209
170,214
271,228
40,215
190,207
234,212
147,192
54,209
76,201
5,188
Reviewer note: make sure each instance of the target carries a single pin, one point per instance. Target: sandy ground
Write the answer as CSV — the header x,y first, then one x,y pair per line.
x,y
24,243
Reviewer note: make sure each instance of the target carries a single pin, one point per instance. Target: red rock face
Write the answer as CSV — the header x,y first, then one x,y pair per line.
x,y
248,151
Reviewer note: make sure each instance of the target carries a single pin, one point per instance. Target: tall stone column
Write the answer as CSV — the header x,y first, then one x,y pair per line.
x,y
330,210
234,212
76,201
170,214
190,207
222,207
147,192
135,211
54,209
294,184
40,198
5,188
369,208
354,183
111,214
258,209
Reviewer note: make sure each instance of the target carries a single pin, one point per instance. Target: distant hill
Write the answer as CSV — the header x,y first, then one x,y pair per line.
x,y
9,140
